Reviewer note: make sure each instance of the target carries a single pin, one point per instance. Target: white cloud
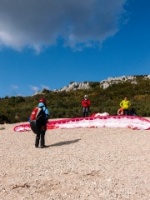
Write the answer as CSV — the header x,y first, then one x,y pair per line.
x,y
35,89
39,23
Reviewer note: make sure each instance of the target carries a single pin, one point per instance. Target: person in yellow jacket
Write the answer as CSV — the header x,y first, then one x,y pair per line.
x,y
125,104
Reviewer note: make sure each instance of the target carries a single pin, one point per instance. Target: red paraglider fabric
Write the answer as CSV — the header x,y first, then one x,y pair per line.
x,y
95,121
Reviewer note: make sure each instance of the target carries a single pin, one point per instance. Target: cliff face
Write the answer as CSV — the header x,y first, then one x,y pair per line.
x,y
104,83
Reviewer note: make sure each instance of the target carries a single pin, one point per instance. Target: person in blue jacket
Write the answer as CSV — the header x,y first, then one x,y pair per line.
x,y
40,137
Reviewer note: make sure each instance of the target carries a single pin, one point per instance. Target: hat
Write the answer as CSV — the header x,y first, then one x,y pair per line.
x,y
42,100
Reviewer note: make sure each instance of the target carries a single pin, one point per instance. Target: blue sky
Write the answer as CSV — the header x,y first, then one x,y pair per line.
x,y
49,43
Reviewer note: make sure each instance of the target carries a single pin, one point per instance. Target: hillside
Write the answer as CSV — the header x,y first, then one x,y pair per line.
x,y
105,97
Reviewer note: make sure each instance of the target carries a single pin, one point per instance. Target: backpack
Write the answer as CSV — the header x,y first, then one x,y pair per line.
x,y
37,118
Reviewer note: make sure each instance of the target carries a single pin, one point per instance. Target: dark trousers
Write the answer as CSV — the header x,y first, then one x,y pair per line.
x,y
85,111
126,111
40,138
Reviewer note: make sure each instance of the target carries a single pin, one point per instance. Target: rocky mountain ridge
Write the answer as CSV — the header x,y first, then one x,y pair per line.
x,y
104,83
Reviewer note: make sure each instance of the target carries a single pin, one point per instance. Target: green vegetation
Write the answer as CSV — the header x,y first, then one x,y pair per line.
x,y
67,104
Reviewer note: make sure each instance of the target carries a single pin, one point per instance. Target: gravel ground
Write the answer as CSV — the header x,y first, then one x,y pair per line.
x,y
83,163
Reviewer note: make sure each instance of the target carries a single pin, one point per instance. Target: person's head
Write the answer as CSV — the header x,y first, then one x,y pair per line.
x,y
85,96
125,98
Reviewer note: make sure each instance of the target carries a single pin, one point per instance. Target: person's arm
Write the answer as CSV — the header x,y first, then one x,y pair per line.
x,y
47,114
89,102
121,104
83,103
129,104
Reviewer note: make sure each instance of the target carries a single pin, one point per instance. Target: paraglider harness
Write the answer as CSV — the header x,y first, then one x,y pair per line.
x,y
37,119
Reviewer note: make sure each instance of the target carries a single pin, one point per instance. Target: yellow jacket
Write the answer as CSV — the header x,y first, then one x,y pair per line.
x,y
125,104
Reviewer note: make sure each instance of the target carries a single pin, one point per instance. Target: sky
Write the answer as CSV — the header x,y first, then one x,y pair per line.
x,y
47,44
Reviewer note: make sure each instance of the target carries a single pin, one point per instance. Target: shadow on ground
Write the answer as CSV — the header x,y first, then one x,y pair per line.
x,y
64,143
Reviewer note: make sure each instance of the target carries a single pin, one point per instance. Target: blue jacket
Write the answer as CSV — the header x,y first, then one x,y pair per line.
x,y
42,105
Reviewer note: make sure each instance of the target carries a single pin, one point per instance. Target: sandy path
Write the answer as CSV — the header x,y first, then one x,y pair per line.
x,y
84,163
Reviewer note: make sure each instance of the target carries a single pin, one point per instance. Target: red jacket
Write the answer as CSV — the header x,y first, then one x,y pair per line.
x,y
85,103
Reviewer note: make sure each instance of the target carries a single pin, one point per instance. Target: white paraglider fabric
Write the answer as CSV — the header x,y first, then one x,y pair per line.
x,y
96,121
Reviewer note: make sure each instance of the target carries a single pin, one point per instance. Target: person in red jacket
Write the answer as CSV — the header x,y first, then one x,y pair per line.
x,y
85,106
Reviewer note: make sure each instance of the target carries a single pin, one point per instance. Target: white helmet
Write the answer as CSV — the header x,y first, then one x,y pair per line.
x,y
86,96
